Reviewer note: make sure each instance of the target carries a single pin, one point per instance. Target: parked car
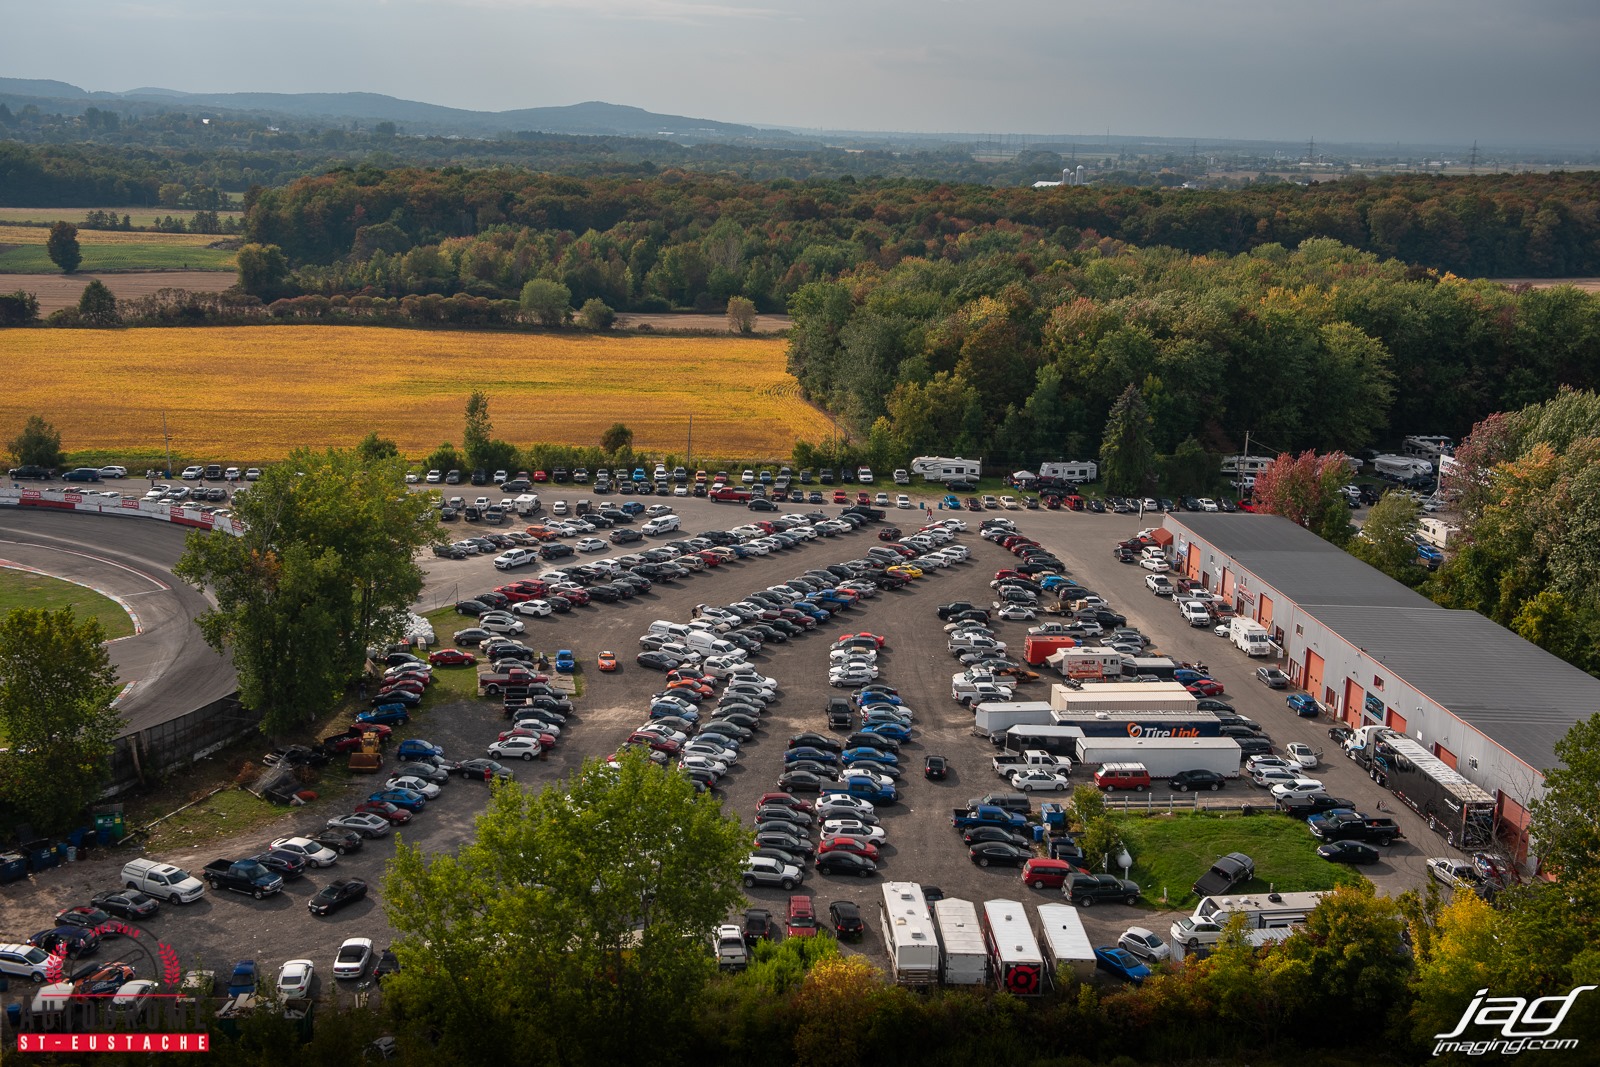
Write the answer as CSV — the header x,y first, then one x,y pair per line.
x,y
1272,677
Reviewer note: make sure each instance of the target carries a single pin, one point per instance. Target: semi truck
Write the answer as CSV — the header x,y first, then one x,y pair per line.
x,y
1164,756
993,718
908,935
1459,810
963,959
1087,664
1065,942
1249,636
1017,963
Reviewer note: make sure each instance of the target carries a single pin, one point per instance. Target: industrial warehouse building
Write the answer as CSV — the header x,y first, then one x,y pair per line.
x,y
1480,698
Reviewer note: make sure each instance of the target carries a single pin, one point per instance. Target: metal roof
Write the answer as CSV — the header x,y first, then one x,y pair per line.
x,y
1509,689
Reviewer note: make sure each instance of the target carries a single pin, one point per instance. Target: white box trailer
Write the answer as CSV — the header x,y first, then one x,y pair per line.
x,y
963,960
943,469
1065,942
1013,950
1400,468
1164,756
908,935
1122,697
993,718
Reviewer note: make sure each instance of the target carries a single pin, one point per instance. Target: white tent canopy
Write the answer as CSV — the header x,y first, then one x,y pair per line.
x,y
1024,476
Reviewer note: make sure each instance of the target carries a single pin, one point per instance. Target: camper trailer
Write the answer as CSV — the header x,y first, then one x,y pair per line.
x,y
941,469
1076,471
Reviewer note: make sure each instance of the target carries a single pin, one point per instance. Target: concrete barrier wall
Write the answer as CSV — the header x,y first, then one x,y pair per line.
x,y
133,507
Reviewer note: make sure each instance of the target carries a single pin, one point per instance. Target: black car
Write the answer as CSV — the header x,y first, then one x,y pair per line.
x,y
1254,746
846,919
483,769
74,941
867,739
472,607
1184,781
1002,853
343,841
935,768
337,894
286,864
1086,890
815,740
846,863
1348,852
395,696
126,903
658,661
605,594
979,834
797,781
387,964
88,917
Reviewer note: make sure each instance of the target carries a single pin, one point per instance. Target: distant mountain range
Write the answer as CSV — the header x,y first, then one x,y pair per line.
x,y
593,118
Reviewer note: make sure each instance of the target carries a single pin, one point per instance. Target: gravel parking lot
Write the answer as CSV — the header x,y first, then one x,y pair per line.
x,y
922,847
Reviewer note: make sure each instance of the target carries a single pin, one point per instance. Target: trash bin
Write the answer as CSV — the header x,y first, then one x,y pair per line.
x,y
72,853
108,825
13,867
42,855
14,1016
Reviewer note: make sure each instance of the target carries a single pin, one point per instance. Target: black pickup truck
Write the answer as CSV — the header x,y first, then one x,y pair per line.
x,y
1229,871
242,876
1354,826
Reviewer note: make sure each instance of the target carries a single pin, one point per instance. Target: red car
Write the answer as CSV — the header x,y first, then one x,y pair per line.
x,y
877,639
802,920
681,675
849,844
1245,505
1205,687
578,596
710,558
396,815
546,741
656,743
514,594
689,685
406,683
540,476
783,800
452,657
840,497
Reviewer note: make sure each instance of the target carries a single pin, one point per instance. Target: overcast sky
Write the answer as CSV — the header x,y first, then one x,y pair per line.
x,y
1418,71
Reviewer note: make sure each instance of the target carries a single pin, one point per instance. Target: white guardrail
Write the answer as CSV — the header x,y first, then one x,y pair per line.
x,y
110,502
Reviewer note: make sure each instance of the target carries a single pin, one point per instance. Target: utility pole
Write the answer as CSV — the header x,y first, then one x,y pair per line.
x,y
1472,163
168,439
1311,150
688,459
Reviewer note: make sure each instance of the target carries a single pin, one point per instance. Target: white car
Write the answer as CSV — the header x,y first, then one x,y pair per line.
x,y
1207,504
1255,763
1158,585
708,764
354,956
295,978
252,473
661,729
842,805
535,608
1017,613
1267,777
1303,754
131,996
433,478
849,652
1297,788
878,779
591,544
417,785
853,828
1029,781
1009,503
500,623
1144,944
519,747
901,500
658,509
1155,563
114,471
192,474
849,677
314,854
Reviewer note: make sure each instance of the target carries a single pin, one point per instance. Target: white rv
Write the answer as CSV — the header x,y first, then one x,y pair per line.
x,y
1013,950
1246,464
1076,471
908,935
1429,447
962,958
1262,911
1066,943
1436,532
941,469
1399,468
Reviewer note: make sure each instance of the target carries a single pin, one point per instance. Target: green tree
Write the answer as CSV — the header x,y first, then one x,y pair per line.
x,y
476,435
325,563
444,459
595,897
39,444
617,439
373,448
263,270
62,247
1088,803
56,688
98,306
550,303
596,315
1385,539
19,308
1127,454
1564,823
741,315
1191,470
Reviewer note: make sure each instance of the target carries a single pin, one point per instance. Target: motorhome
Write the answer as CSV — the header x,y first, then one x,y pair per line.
x,y
1066,944
1262,911
908,935
1401,468
1429,447
1245,464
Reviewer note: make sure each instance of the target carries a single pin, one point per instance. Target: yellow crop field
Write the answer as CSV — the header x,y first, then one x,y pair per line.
x,y
38,235
250,393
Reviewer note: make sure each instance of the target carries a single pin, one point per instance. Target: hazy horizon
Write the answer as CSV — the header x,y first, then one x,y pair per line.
x,y
1430,72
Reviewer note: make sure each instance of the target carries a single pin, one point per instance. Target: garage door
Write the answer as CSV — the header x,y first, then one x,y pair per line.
x,y
1227,585
1353,699
1313,679
1445,755
1265,615
1513,822
1191,564
1397,722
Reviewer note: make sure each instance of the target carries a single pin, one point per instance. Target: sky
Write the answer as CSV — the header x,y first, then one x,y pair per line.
x,y
1412,71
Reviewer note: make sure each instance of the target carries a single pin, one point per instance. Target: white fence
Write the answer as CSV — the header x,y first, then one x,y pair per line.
x,y
109,502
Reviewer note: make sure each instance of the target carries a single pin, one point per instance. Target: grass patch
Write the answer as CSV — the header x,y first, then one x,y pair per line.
x,y
137,216
1171,851
20,589
229,812
150,254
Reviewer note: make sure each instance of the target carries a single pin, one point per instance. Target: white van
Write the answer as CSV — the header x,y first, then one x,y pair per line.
x,y
162,881
709,644
659,525
662,628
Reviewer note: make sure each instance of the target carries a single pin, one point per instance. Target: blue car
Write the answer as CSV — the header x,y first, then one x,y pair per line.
x,y
401,798
667,709
632,507
884,695
638,474
866,754
1123,964
1184,676
244,978
952,502
885,727
416,749
565,663
864,789
1304,705
806,752
386,715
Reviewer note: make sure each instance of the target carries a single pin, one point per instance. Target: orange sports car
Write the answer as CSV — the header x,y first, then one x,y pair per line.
x,y
608,661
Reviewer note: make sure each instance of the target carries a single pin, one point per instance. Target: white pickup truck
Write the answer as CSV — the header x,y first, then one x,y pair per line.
x,y
732,955
971,693
1030,759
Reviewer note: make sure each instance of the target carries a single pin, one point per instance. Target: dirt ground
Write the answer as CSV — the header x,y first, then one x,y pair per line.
x,y
56,291
765,324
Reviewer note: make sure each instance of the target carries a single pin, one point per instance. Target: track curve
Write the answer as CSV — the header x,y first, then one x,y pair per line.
x,y
169,666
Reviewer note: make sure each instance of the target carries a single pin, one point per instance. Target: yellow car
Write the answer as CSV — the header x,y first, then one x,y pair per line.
x,y
904,570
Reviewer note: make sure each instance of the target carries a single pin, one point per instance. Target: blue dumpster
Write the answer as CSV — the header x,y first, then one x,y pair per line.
x,y
42,855
13,867
1053,815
